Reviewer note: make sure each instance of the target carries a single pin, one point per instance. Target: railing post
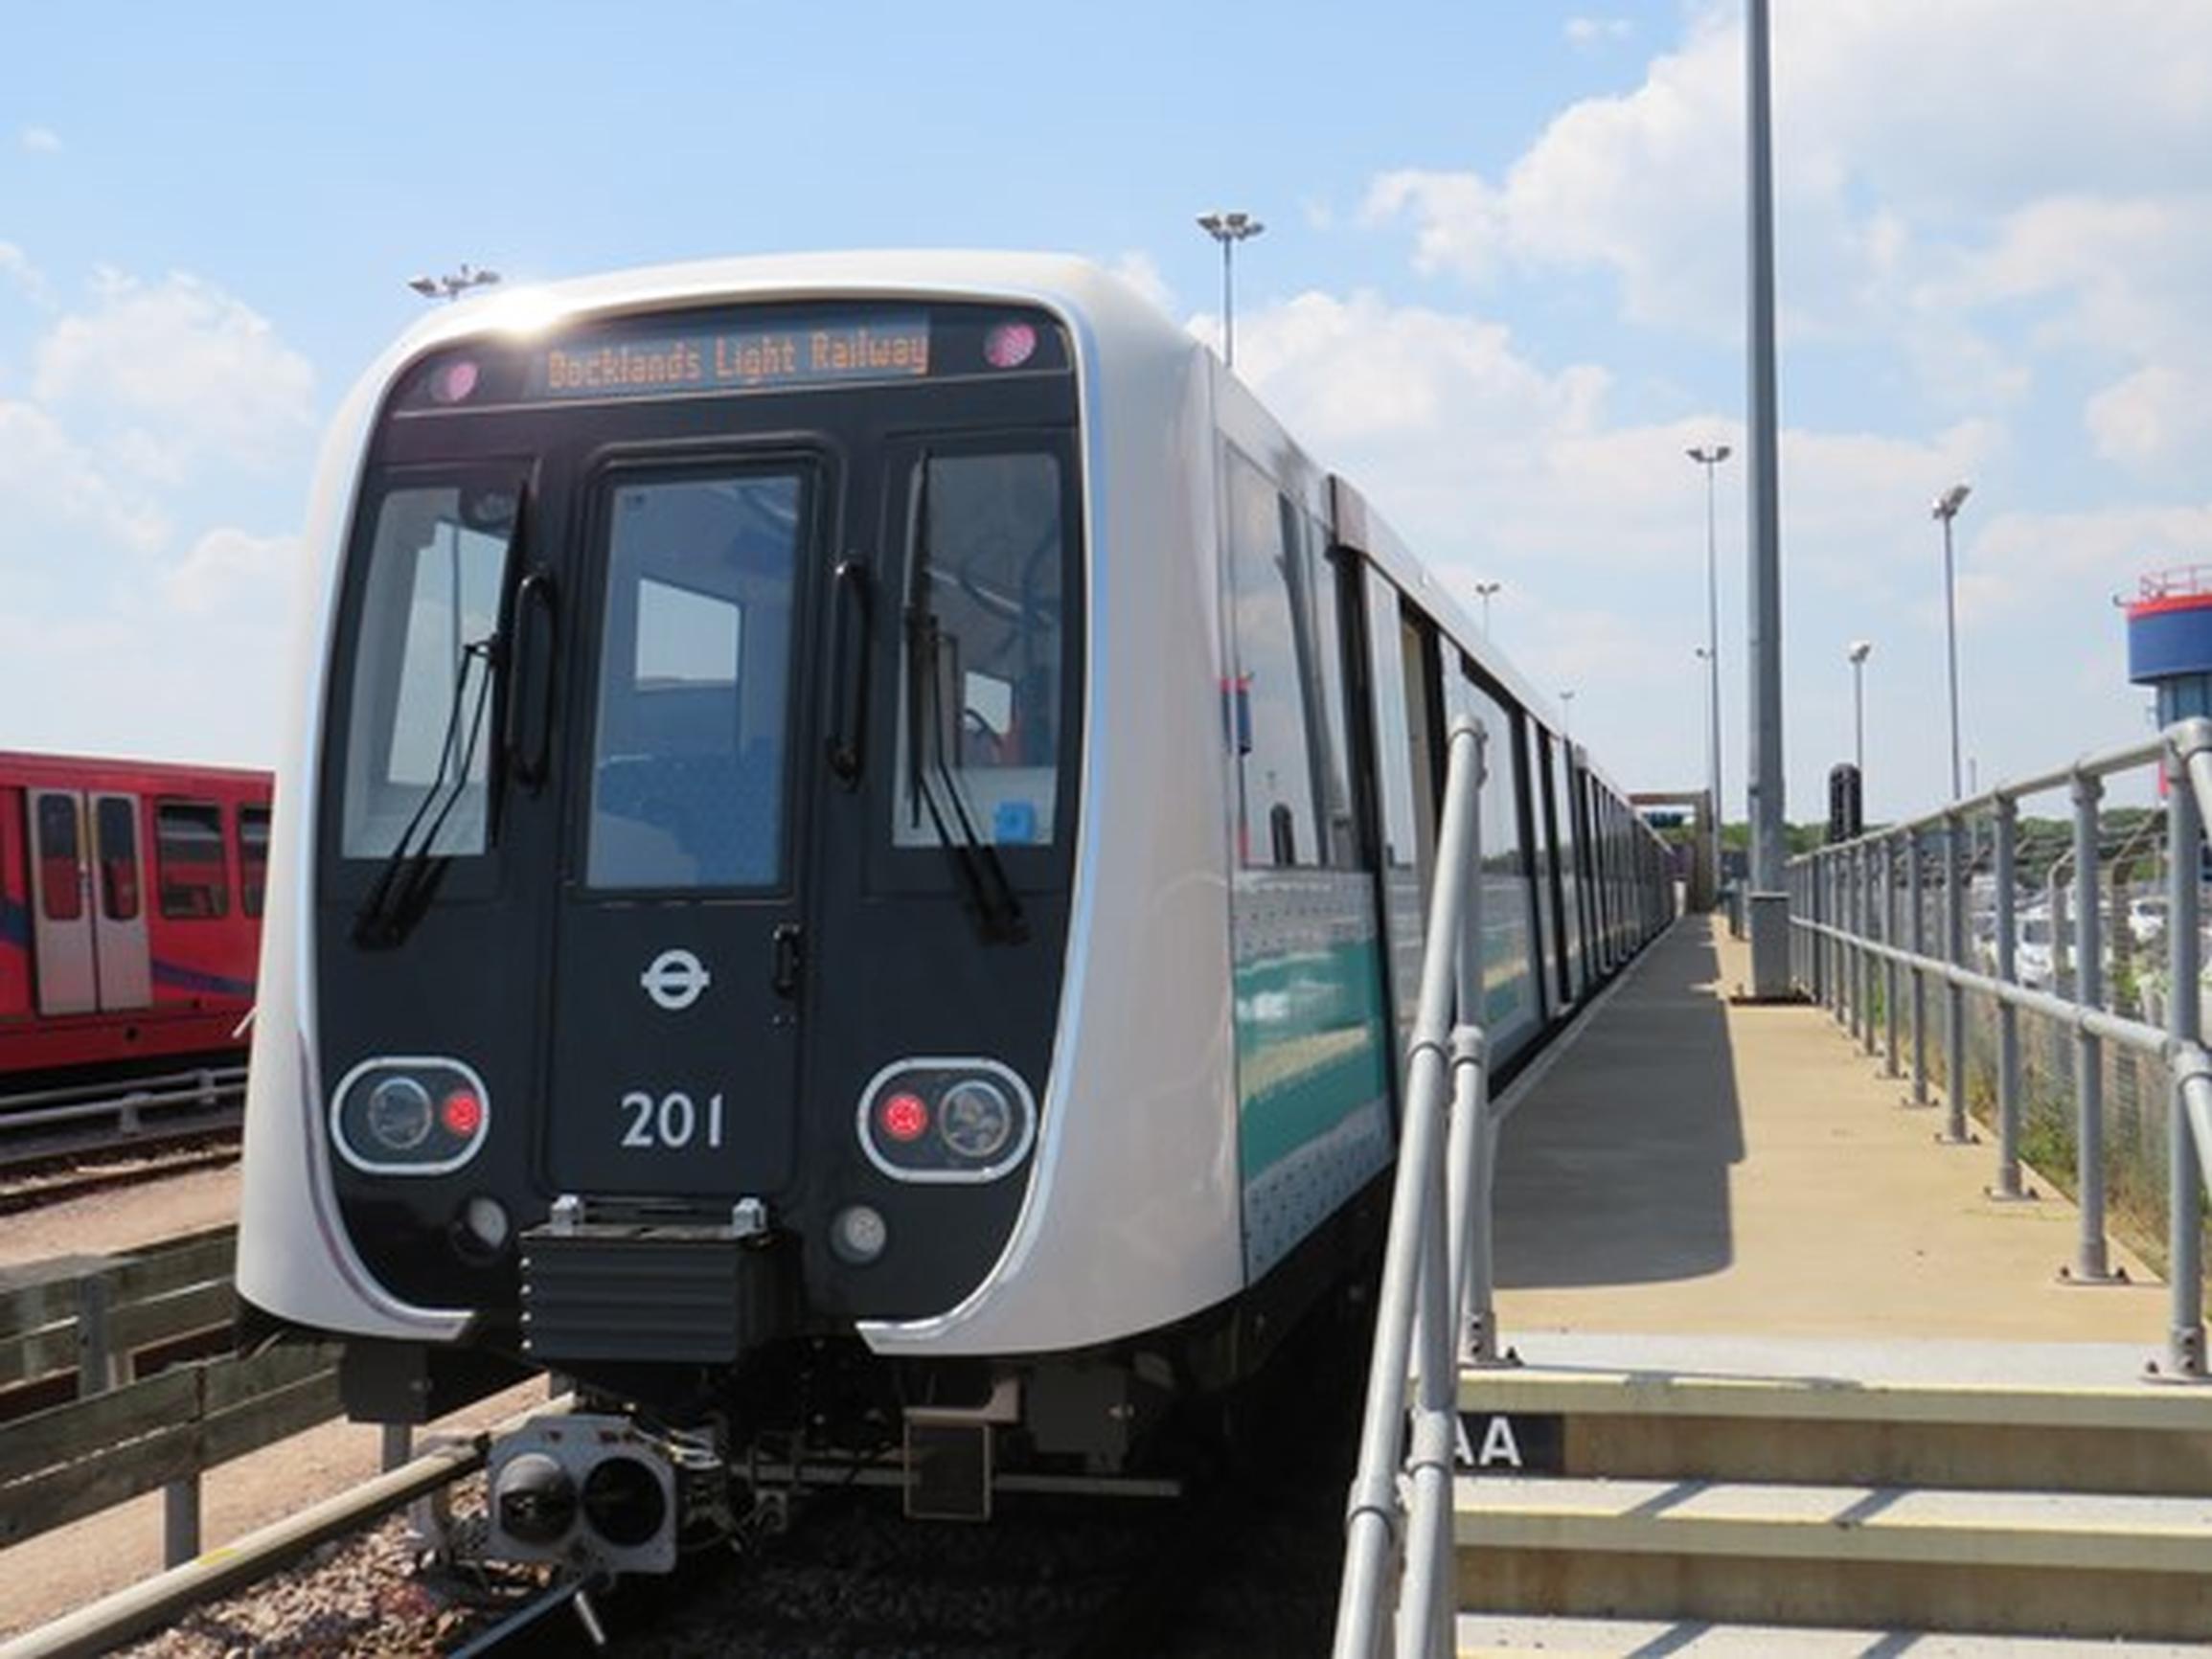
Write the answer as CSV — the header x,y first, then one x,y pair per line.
x,y
1915,898
2089,1259
2008,1016
1956,1132
1473,1141
2185,1022
1854,923
1868,931
1477,1276
1834,945
180,1529
99,1367
1890,1068
180,1508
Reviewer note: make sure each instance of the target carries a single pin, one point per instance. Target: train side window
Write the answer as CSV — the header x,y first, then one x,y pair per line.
x,y
1277,742
57,856
1510,1003
1399,821
189,856
115,829
253,859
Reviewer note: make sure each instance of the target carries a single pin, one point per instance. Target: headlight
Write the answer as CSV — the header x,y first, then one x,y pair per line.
x,y
976,1119
410,1116
983,1114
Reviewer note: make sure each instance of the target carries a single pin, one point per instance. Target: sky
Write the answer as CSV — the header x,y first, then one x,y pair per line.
x,y
1501,289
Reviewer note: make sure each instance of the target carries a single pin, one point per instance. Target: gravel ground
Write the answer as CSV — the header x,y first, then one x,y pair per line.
x,y
121,1217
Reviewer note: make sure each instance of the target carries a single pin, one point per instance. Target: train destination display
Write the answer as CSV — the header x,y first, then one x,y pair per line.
x,y
886,348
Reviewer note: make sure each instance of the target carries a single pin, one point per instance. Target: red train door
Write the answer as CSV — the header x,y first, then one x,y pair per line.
x,y
87,903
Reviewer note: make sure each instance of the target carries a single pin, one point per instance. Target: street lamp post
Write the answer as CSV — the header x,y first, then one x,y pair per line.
x,y
1229,229
1483,590
1858,653
1946,509
452,286
1567,718
1710,457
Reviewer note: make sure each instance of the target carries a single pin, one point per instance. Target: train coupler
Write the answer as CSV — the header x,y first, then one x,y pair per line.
x,y
604,1494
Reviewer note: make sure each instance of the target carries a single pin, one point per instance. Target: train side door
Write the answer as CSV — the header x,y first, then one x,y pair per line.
x,y
118,943
88,902
674,1048
60,910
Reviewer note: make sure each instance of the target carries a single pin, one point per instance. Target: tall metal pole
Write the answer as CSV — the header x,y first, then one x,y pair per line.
x,y
1229,229
1710,459
1946,509
1858,653
1769,915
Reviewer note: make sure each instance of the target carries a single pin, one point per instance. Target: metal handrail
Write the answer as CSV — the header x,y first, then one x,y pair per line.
x,y
1436,1240
1838,891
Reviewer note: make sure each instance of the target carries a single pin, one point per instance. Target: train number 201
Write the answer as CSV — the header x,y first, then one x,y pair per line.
x,y
672,1122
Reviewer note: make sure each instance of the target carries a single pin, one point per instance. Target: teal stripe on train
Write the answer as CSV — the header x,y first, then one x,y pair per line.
x,y
1310,1040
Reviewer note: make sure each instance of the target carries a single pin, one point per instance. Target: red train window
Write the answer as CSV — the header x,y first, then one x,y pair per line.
x,y
252,858
57,858
189,846
115,823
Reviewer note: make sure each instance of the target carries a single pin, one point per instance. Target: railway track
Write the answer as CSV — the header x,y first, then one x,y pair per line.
x,y
1244,1561
62,1142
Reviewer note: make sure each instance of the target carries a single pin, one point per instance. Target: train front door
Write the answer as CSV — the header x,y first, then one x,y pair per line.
x,y
674,1048
88,902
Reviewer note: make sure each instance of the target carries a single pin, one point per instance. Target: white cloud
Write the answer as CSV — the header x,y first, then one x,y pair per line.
x,y
40,140
2157,418
176,373
15,265
230,569
145,402
1586,32
58,497
1925,158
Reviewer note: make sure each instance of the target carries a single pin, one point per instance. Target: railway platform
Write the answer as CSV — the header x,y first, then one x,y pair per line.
x,y
1791,1379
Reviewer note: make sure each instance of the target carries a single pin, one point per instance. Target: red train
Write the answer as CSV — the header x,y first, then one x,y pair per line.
x,y
131,904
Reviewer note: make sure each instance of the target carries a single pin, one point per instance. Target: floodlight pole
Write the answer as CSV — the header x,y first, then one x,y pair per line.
x,y
1229,229
1769,901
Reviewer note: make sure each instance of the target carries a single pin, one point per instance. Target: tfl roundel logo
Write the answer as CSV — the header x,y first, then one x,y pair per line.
x,y
675,979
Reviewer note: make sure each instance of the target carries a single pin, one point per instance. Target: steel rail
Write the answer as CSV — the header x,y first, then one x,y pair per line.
x,y
2080,1018
162,1600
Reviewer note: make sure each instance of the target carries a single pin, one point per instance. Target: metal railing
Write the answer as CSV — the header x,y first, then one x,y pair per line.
x,y
1845,939
1436,1268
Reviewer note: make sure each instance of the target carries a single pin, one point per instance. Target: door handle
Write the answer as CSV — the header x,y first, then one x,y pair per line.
x,y
529,725
784,956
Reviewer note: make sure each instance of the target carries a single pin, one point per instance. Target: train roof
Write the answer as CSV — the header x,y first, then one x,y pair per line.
x,y
22,766
1060,282
1108,308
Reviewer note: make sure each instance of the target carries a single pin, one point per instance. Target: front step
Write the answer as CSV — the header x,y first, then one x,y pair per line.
x,y
2040,1562
1812,1487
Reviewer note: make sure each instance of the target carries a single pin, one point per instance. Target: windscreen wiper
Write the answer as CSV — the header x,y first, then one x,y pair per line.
x,y
407,882
995,905
403,887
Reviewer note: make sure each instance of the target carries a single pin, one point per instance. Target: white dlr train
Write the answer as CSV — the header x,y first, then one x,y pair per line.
x,y
850,877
